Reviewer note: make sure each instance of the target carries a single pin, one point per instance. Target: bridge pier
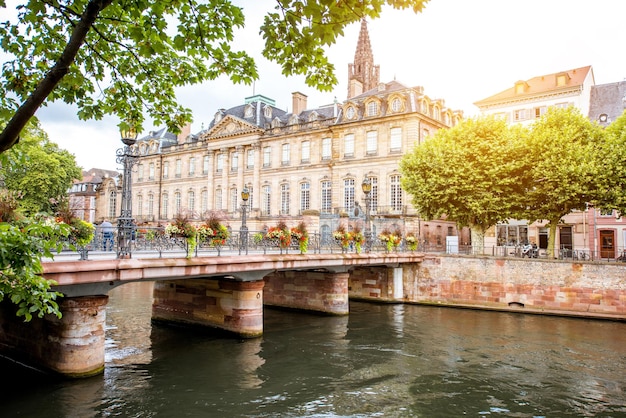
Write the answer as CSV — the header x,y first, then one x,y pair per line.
x,y
325,292
225,304
72,346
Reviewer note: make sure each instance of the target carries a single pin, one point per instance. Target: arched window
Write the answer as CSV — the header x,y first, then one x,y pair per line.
x,y
305,196
177,203
191,201
112,203
284,199
395,190
165,206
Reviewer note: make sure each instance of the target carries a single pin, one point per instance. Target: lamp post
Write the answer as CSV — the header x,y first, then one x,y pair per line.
x,y
127,157
243,231
367,188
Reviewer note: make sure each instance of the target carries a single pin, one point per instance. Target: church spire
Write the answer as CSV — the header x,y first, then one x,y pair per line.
x,y
363,75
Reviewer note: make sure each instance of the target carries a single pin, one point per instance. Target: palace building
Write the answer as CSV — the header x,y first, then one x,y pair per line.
x,y
305,164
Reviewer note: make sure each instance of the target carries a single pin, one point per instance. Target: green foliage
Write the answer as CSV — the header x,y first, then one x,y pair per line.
x,y
21,247
612,166
473,173
39,171
124,59
566,166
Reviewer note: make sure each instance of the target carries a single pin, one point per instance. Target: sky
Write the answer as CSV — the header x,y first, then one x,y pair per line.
x,y
461,51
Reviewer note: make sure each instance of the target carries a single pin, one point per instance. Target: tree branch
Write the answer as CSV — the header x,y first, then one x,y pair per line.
x,y
10,134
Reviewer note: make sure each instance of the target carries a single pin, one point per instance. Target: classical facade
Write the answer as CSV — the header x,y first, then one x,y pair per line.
x,y
306,163
603,234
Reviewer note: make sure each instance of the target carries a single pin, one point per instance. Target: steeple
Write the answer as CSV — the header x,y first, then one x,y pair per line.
x,y
363,75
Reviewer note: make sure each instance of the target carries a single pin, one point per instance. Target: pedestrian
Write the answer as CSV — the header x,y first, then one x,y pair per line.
x,y
107,235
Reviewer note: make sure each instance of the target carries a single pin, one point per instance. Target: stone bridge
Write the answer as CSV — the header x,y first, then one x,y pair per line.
x,y
227,293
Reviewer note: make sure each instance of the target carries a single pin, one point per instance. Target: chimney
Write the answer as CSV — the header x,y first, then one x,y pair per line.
x,y
184,133
354,88
298,102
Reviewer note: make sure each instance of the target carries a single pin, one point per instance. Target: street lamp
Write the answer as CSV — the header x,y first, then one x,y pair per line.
x,y
367,188
127,157
243,232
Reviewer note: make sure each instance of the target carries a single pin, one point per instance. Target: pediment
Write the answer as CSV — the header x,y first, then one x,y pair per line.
x,y
231,126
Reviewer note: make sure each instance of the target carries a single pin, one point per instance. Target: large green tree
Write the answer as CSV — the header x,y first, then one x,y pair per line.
x,y
613,167
127,57
563,148
474,173
39,171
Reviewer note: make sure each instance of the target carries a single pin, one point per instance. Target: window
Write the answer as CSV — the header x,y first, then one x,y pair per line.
x,y
539,111
112,203
561,105
234,161
396,194
512,234
139,172
284,199
305,196
251,198
267,201
140,205
350,112
219,163
233,199
348,145
250,159
166,203
191,202
166,169
326,148
285,156
192,166
374,194
372,108
205,164
267,157
150,204
179,168
437,113
177,203
151,171
395,140
218,198
326,197
348,194
519,114
372,142
306,151
204,201
396,105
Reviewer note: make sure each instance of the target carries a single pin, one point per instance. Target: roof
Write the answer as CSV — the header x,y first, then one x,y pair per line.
x,y
542,84
608,102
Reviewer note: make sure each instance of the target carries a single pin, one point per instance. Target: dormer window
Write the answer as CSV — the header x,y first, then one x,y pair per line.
x,y
249,111
267,111
313,116
520,87
276,123
561,80
350,113
396,105
293,120
218,116
372,108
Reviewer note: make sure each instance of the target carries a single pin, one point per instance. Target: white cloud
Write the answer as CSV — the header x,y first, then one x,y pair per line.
x,y
458,50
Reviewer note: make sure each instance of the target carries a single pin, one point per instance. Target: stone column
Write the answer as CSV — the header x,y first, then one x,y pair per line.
x,y
225,304
325,292
72,346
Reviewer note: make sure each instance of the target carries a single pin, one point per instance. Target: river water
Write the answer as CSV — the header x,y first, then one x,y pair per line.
x,y
380,361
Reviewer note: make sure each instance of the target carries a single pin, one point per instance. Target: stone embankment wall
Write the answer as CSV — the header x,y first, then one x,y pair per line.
x,y
536,286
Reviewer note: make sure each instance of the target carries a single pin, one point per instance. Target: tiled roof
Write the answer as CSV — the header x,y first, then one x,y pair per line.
x,y
540,85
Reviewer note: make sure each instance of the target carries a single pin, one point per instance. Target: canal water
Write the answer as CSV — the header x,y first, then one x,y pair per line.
x,y
380,361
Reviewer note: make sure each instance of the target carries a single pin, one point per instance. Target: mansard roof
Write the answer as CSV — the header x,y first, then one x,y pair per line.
x,y
252,113
543,84
162,135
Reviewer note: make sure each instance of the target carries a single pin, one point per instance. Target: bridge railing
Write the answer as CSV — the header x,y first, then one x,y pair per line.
x,y
153,242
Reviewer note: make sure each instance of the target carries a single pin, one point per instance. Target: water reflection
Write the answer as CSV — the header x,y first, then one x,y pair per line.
x,y
381,360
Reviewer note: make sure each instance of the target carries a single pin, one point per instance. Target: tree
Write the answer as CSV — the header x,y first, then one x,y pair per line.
x,y
613,166
563,147
124,57
472,173
39,171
